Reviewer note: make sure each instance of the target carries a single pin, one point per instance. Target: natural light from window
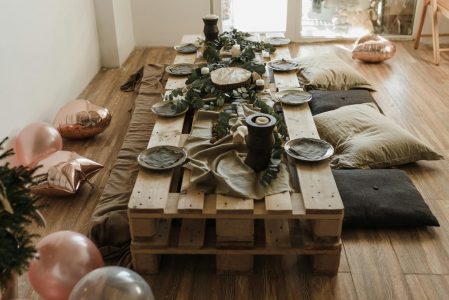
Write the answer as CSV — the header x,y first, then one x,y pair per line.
x,y
255,15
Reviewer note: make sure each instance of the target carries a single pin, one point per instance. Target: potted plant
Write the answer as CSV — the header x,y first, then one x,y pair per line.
x,y
18,209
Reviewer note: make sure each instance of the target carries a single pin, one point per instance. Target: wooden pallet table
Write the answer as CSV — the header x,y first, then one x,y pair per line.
x,y
167,216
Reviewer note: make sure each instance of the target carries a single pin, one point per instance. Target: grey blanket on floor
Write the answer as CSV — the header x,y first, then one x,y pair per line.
x,y
109,225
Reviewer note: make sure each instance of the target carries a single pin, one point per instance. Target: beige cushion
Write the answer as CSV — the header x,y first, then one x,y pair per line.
x,y
328,72
364,138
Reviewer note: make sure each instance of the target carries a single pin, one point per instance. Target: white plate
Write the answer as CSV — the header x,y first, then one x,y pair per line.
x,y
142,159
313,149
283,65
186,48
297,97
180,69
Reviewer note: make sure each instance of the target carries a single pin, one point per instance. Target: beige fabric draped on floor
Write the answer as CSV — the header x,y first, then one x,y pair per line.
x,y
109,225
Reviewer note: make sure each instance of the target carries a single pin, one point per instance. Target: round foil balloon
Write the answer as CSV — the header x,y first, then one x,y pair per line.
x,y
112,283
62,259
373,48
81,119
35,142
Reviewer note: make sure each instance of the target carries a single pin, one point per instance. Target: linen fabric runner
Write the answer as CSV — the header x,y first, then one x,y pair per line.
x,y
219,167
109,227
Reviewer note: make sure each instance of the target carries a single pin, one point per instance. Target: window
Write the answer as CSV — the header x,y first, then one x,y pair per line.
x,y
320,18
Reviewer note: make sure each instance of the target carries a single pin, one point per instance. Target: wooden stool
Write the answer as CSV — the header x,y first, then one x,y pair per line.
x,y
441,6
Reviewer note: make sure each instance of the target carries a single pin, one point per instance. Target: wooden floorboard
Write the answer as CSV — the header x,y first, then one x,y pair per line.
x,y
388,264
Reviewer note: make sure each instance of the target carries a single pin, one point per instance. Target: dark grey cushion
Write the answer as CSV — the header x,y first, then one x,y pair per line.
x,y
382,198
323,101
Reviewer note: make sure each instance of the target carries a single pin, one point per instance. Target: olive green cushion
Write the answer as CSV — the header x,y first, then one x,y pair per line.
x,y
328,72
364,138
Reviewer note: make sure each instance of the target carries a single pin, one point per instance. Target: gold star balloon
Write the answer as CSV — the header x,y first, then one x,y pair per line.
x,y
62,173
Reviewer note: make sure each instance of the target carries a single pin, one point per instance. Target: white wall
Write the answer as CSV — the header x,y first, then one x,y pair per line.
x,y
48,54
162,23
115,31
124,28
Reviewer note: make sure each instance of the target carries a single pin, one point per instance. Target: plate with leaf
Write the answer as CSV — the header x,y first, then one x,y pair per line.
x,y
309,149
169,109
293,97
283,65
277,40
187,48
162,157
180,69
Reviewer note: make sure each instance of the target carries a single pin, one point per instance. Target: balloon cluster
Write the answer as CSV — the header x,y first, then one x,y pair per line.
x,y
39,143
373,48
67,265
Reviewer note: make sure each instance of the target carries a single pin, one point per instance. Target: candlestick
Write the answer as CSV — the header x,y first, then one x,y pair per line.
x,y
262,120
260,85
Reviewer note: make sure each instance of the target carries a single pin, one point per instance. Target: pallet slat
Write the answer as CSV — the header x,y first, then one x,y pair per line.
x,y
210,211
166,131
318,187
303,245
233,204
190,199
279,203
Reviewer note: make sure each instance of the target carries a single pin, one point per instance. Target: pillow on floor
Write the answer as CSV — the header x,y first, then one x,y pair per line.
x,y
381,199
323,101
328,72
364,138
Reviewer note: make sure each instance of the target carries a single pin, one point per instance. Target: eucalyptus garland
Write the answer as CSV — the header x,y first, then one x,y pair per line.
x,y
200,86
18,209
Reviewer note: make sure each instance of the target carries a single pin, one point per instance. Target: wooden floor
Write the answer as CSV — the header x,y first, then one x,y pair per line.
x,y
376,264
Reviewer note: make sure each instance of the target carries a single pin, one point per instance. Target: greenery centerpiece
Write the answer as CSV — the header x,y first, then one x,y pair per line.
x,y
18,209
199,86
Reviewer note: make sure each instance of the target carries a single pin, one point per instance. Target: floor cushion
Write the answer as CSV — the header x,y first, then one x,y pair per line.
x,y
329,72
323,101
381,198
364,138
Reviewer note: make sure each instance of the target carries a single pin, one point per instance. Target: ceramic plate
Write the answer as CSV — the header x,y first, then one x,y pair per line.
x,y
180,69
168,109
186,48
162,157
293,97
308,149
283,65
277,41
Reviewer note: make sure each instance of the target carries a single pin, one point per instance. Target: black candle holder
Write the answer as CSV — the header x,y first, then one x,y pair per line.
x,y
211,28
259,141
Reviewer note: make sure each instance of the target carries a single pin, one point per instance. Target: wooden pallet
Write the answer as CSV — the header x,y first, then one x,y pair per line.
x,y
306,222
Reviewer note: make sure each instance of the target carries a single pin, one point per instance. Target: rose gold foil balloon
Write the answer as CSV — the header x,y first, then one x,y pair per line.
x,y
35,142
373,48
81,119
62,173
62,259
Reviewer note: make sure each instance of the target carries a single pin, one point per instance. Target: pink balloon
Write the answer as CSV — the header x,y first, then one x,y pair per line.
x,y
62,259
35,142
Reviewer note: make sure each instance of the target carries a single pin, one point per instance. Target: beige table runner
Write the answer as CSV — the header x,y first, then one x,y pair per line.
x,y
219,167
